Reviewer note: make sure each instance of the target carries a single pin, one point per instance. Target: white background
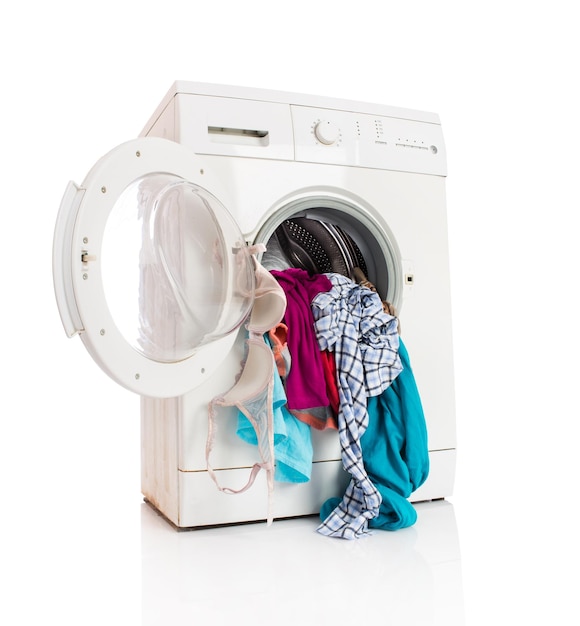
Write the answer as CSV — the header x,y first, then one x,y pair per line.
x,y
80,78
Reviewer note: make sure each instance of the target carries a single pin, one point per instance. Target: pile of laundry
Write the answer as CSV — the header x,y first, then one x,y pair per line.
x,y
337,362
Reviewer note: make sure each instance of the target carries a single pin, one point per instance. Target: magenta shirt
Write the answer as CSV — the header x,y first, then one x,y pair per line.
x,y
305,384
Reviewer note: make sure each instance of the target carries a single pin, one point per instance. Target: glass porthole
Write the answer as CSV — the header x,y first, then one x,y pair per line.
x,y
176,271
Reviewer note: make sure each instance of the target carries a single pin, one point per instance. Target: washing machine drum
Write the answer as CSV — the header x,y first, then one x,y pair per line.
x,y
150,269
319,247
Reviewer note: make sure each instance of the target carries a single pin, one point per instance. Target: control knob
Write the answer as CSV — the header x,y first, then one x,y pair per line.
x,y
327,132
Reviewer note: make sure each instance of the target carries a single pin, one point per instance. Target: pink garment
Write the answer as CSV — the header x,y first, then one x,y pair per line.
x,y
278,336
329,365
306,382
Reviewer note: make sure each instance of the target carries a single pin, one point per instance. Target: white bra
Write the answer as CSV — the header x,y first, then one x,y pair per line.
x,y
252,392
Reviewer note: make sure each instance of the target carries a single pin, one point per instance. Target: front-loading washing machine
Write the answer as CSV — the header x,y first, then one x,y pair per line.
x,y
152,270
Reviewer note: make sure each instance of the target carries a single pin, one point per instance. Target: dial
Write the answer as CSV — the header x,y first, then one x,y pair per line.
x,y
327,132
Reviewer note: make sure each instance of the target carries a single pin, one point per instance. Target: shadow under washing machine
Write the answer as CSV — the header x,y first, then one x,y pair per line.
x,y
326,185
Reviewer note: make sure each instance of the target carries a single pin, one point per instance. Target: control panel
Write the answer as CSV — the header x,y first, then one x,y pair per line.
x,y
365,140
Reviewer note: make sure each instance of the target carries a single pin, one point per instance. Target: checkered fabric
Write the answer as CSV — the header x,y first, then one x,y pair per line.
x,y
350,321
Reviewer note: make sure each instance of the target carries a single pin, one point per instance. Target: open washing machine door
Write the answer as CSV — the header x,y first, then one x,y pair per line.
x,y
150,269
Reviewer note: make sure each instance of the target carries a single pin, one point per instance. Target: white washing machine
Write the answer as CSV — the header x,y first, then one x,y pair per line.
x,y
217,168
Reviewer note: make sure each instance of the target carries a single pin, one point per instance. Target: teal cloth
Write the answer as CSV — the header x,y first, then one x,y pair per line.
x,y
394,449
292,438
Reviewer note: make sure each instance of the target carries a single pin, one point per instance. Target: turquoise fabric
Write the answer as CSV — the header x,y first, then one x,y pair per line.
x,y
394,449
292,438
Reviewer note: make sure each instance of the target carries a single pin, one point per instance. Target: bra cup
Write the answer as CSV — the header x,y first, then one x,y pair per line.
x,y
256,375
269,302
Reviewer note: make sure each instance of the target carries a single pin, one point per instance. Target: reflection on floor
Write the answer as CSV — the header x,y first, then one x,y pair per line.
x,y
254,574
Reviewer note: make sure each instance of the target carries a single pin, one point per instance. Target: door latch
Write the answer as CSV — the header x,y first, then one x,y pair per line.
x,y
86,257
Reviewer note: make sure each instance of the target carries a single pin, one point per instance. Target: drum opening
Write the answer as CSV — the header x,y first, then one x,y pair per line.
x,y
332,235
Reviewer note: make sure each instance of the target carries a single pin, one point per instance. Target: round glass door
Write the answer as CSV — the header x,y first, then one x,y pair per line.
x,y
150,269
176,274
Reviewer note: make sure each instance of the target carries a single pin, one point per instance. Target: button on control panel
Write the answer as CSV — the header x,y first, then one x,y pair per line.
x,y
327,132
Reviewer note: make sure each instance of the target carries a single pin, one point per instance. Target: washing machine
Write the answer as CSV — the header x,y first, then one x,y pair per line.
x,y
152,270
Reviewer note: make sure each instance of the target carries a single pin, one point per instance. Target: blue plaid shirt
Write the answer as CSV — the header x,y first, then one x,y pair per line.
x,y
350,321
